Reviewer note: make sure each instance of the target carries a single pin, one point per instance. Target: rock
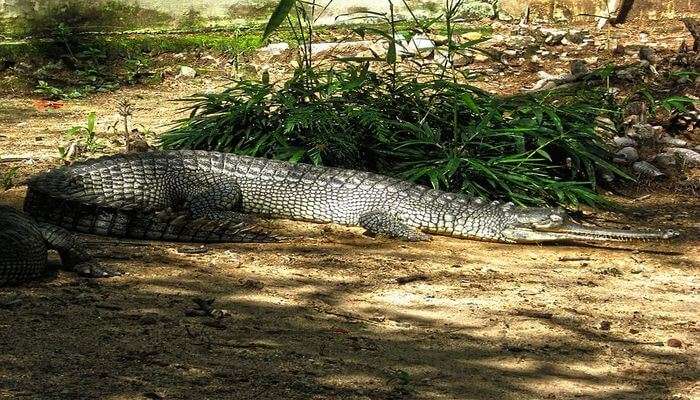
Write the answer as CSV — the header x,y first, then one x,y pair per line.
x,y
578,67
192,249
420,44
673,342
274,49
627,155
671,141
187,72
688,156
554,38
666,161
641,131
504,16
648,170
575,36
624,141
605,325
647,54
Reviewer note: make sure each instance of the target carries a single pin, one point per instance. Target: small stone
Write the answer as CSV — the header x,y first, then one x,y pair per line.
x,y
554,38
634,331
605,325
192,250
624,141
420,44
669,140
275,49
688,156
187,72
673,342
628,154
648,170
504,16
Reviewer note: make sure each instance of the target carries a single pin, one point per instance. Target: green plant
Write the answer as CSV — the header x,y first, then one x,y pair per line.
x,y
86,134
427,124
7,179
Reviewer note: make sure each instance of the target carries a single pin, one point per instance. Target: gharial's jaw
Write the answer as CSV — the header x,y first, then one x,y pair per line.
x,y
571,231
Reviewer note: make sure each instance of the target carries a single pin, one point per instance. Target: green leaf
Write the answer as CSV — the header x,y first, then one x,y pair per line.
x,y
91,122
469,102
278,16
391,53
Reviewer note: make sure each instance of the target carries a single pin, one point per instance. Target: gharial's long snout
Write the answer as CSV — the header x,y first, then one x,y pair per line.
x,y
552,225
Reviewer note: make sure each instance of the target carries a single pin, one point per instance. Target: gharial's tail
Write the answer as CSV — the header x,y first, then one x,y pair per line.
x,y
137,224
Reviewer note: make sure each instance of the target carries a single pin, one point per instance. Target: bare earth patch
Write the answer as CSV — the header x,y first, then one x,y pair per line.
x,y
333,314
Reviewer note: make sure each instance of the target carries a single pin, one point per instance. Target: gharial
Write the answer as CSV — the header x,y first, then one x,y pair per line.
x,y
202,196
24,246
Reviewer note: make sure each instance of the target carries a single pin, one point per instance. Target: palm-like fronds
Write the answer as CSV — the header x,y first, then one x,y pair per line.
x,y
531,149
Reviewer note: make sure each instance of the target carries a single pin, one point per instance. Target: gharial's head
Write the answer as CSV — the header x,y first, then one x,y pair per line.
x,y
554,224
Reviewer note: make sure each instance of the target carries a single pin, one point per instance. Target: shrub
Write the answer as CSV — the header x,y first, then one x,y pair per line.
x,y
425,125
530,149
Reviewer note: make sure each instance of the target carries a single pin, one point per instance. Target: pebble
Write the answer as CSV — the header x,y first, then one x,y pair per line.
x,y
647,170
624,141
187,72
673,342
628,154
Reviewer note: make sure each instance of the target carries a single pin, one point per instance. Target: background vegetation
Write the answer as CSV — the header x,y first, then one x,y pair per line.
x,y
426,125
414,119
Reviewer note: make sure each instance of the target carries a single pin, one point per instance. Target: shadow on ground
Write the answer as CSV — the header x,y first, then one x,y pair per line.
x,y
300,333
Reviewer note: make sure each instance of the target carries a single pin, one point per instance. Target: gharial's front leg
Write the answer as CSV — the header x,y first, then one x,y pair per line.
x,y
72,252
384,223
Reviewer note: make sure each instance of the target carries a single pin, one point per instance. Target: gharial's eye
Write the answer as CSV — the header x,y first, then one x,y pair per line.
x,y
555,218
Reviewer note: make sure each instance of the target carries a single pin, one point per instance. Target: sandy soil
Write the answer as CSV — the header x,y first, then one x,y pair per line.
x,y
336,315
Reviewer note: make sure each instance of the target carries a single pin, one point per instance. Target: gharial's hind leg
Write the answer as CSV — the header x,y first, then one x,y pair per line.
x,y
214,198
383,223
72,252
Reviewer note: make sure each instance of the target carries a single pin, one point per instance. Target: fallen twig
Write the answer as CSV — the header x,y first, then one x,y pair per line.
x,y
575,258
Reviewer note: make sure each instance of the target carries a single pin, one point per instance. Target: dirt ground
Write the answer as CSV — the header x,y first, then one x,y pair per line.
x,y
333,314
